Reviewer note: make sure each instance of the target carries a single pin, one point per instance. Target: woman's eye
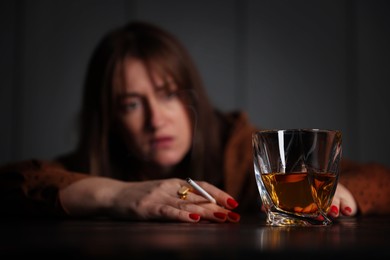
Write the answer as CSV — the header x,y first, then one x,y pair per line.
x,y
170,95
132,105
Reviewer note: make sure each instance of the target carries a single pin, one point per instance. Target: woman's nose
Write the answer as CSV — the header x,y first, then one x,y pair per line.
x,y
157,117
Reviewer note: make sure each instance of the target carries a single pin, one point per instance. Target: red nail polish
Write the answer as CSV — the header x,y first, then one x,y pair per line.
x,y
232,203
334,210
348,210
220,215
234,216
194,216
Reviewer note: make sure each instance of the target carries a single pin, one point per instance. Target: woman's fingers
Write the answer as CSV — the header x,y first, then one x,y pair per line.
x,y
343,203
207,210
222,198
334,208
176,200
348,205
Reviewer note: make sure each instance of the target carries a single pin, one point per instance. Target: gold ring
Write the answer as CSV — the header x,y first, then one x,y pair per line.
x,y
183,192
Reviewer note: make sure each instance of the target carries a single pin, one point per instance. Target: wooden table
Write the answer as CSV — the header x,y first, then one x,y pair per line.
x,y
107,239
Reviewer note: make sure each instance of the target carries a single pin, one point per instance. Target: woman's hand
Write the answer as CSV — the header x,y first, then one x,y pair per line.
x,y
147,200
343,203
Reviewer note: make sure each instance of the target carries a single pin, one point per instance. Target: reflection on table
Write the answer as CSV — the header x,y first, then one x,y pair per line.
x,y
348,237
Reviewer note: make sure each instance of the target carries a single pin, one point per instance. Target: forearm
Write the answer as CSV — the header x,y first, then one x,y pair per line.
x,y
369,184
94,196
31,188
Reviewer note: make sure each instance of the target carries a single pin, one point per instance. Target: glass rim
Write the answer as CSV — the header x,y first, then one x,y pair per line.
x,y
317,130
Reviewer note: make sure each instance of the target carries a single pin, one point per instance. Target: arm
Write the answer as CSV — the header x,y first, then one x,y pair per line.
x,y
46,189
30,188
146,200
369,184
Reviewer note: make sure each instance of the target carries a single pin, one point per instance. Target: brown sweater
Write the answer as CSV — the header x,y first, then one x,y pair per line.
x,y
30,188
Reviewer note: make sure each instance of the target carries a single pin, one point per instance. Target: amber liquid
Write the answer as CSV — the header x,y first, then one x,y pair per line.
x,y
301,192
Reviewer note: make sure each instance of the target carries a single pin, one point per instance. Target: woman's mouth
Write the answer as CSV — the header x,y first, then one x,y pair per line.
x,y
161,142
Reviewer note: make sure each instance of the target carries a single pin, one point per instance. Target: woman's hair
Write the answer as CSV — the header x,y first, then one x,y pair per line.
x,y
162,52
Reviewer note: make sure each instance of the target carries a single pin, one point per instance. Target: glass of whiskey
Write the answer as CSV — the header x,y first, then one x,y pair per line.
x,y
296,172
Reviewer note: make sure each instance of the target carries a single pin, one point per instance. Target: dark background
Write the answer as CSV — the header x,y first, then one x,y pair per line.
x,y
289,64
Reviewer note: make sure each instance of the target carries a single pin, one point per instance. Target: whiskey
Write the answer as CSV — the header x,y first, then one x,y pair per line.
x,y
301,192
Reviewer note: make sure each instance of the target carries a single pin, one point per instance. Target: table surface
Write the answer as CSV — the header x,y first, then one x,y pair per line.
x,y
109,239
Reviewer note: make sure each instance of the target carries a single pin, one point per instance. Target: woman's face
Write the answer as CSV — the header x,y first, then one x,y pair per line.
x,y
153,121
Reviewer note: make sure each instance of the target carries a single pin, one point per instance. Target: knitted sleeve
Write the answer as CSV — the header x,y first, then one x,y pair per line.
x,y
369,183
30,188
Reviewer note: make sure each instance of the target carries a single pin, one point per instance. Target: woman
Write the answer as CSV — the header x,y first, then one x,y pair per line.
x,y
146,125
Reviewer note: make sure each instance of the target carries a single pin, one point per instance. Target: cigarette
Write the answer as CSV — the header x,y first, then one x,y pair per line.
x,y
201,190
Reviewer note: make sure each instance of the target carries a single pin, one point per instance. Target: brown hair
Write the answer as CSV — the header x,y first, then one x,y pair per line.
x,y
159,50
